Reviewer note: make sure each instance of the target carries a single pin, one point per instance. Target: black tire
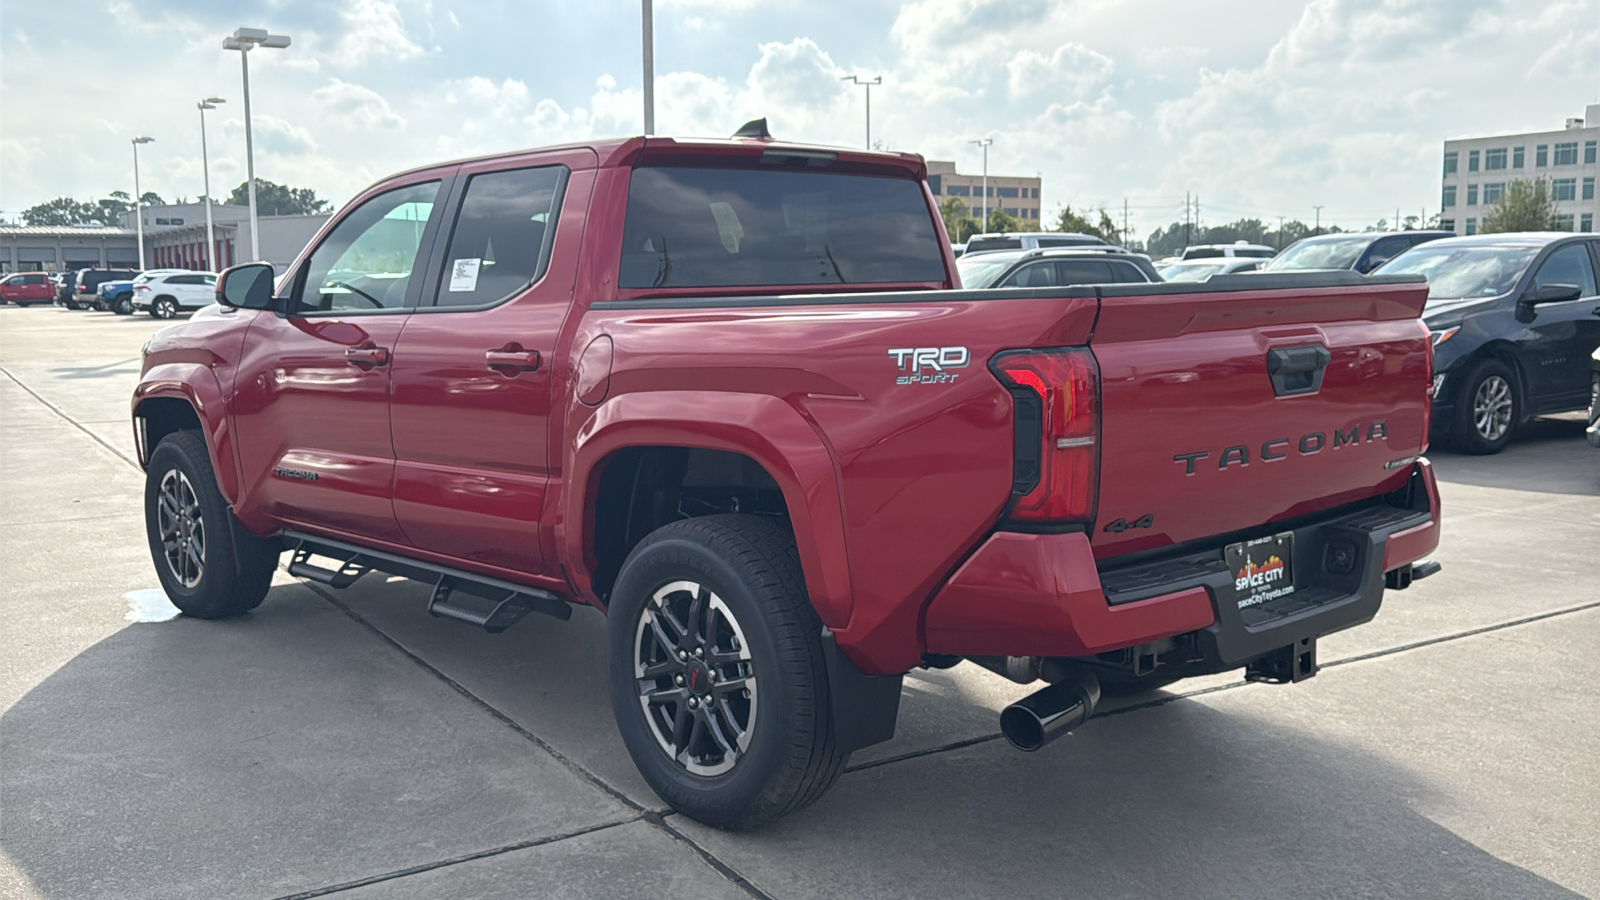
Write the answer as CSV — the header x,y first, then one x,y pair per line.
x,y
232,570
164,308
124,306
1488,408
786,756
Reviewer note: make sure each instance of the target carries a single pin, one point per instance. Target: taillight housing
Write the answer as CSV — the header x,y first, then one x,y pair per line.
x,y
1056,427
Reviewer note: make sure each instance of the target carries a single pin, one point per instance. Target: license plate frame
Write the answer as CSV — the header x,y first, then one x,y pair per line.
x,y
1262,569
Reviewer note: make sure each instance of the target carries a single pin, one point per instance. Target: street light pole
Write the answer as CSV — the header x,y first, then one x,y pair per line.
x,y
984,143
242,40
647,13
868,85
205,167
1317,229
138,197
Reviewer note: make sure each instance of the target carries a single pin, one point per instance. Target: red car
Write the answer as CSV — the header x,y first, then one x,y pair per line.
x,y
731,393
23,288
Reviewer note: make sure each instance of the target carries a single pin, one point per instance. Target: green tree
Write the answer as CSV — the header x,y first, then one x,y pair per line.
x,y
1526,205
279,200
1069,220
959,223
60,212
109,210
1001,222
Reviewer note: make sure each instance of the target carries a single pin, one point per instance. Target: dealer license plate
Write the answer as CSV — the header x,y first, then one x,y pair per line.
x,y
1263,569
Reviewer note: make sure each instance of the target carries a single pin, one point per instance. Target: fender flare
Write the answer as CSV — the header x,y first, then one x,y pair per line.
x,y
760,426
196,385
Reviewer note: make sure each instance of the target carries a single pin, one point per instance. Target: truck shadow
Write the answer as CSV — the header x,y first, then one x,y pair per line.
x,y
1548,455
292,749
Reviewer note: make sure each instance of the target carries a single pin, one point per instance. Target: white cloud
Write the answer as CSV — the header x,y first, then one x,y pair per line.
x,y
350,105
374,30
1072,68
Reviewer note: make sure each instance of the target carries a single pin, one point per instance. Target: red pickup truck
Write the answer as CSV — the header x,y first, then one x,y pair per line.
x,y
732,394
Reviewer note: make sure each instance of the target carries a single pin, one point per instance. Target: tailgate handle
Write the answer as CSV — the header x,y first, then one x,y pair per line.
x,y
1297,370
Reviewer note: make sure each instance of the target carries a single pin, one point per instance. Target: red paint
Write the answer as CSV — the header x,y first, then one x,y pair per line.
x,y
1416,543
1039,595
895,491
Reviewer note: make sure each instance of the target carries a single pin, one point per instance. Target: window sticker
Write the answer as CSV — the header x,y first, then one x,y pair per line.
x,y
464,274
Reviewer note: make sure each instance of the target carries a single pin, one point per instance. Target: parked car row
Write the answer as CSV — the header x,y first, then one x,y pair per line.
x,y
163,293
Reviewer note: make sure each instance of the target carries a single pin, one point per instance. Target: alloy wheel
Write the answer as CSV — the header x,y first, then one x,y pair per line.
x,y
1491,408
695,677
182,529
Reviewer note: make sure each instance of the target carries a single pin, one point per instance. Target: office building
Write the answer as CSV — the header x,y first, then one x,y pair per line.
x,y
1018,196
1477,170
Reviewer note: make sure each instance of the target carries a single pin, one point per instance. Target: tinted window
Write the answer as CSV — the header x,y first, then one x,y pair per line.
x,y
1203,253
185,279
1326,254
366,261
499,244
1255,254
33,279
1040,274
1384,250
981,245
690,227
1084,271
1127,273
1569,265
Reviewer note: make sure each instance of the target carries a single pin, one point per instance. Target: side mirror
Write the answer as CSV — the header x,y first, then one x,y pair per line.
x,y
1552,293
247,286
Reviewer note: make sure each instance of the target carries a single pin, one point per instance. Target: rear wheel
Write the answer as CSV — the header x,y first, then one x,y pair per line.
x,y
718,680
208,564
1488,408
164,308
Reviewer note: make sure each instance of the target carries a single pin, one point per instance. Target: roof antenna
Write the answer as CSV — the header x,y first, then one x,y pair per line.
x,y
755,128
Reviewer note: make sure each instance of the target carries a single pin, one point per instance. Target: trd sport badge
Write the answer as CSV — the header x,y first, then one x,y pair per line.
x,y
929,365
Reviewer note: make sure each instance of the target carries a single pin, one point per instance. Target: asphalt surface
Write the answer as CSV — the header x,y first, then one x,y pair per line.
x,y
347,744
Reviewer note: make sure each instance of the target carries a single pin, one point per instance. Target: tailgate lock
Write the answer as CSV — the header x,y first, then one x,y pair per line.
x,y
1297,370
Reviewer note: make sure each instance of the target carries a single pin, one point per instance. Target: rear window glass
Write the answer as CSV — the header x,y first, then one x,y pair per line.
x,y
694,227
984,245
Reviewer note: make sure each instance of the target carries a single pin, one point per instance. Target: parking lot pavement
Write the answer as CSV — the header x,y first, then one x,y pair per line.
x,y
346,743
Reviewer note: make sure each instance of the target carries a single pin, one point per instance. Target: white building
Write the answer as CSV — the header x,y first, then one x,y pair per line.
x,y
1476,171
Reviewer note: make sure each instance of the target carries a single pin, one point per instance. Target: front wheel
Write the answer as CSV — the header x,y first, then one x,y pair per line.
x,y
124,306
1488,408
210,567
718,680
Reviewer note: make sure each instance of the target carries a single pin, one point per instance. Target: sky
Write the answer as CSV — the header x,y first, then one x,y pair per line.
x,y
1260,108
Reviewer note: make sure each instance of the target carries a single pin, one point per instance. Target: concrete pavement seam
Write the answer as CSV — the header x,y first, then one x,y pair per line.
x,y
453,861
726,871
649,816
70,420
1162,701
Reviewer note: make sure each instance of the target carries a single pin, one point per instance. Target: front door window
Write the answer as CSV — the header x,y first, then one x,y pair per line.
x,y
366,262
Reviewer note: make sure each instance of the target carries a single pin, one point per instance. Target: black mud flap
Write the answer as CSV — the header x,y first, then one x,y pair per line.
x,y
864,706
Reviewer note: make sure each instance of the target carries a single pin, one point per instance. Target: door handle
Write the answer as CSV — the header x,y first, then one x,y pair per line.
x,y
511,359
366,356
1595,311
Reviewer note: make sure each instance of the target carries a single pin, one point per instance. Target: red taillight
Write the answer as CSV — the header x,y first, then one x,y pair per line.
x,y
1057,450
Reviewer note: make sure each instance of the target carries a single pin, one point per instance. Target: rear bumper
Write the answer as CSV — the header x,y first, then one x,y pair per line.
x,y
1042,594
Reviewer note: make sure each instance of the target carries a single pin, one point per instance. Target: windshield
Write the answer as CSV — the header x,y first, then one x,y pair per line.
x,y
1192,272
982,271
1460,273
1335,254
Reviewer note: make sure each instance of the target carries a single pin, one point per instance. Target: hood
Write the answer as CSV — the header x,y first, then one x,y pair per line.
x,y
1449,312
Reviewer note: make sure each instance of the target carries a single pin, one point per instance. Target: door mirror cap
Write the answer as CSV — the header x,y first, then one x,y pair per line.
x,y
247,286
1552,293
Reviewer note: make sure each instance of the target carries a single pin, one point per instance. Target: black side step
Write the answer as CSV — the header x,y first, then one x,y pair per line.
x,y
506,603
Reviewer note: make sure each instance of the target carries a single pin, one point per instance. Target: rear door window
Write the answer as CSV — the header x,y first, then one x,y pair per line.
x,y
501,240
1084,271
1127,273
1042,274
695,227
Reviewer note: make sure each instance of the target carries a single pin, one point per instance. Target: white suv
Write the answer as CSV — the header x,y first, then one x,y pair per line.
x,y
167,294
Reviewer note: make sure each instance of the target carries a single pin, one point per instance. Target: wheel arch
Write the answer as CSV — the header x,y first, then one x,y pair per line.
x,y
186,396
1504,351
638,453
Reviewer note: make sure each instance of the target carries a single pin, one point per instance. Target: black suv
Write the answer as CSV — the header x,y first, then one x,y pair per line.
x,y
1055,267
1515,318
87,281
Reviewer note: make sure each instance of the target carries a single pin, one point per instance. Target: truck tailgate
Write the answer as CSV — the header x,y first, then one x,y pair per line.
x,y
1253,399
